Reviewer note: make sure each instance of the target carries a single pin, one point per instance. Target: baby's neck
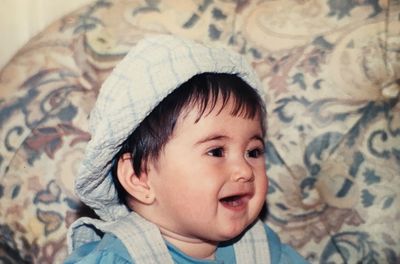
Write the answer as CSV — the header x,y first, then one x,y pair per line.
x,y
195,248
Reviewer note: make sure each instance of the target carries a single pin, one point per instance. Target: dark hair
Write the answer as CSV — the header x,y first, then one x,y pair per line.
x,y
202,90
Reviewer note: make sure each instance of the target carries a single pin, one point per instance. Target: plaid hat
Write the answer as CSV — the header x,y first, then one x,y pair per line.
x,y
146,75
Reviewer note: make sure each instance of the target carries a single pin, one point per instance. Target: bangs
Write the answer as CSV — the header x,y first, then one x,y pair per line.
x,y
208,88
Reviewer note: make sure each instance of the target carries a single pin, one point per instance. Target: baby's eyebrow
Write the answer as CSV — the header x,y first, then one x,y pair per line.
x,y
211,138
258,138
222,137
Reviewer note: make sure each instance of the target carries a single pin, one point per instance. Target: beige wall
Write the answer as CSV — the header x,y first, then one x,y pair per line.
x,y
22,19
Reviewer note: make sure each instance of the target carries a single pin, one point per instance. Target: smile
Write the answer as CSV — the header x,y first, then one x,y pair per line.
x,y
235,202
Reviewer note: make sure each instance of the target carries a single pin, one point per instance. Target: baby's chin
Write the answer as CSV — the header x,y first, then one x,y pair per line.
x,y
234,232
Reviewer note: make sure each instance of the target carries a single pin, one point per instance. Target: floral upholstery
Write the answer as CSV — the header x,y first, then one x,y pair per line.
x,y
331,70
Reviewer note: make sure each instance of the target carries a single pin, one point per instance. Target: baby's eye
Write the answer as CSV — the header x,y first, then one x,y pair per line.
x,y
255,153
217,152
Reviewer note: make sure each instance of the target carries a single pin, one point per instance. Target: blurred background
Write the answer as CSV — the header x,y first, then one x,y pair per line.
x,y
22,19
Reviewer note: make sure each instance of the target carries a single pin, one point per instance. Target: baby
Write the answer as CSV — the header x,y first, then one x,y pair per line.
x,y
175,168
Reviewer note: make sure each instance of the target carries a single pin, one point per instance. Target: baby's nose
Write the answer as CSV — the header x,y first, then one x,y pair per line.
x,y
242,171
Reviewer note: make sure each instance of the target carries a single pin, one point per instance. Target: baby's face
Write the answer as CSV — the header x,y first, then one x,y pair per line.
x,y
210,181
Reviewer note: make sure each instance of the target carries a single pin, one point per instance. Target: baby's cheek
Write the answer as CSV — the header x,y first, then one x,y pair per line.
x,y
262,187
262,176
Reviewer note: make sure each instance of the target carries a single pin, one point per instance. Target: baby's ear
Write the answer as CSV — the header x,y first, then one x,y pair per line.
x,y
135,185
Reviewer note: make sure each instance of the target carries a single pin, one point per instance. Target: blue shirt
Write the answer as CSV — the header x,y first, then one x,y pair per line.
x,y
111,250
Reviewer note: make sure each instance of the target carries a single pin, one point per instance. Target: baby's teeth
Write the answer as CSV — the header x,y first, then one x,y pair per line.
x,y
235,203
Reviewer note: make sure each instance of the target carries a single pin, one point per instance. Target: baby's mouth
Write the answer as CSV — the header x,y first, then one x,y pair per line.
x,y
238,201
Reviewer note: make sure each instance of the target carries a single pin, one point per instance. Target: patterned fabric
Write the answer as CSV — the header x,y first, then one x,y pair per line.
x,y
330,70
145,244
155,67
253,246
